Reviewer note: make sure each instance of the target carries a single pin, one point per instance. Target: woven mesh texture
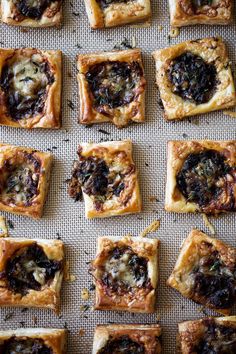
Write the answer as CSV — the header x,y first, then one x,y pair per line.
x,y
65,217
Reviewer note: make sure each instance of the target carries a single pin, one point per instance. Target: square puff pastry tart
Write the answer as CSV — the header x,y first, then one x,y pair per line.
x,y
111,87
19,13
103,13
106,176
24,180
205,272
194,77
47,340
215,335
185,12
125,271
31,272
30,88
201,176
137,338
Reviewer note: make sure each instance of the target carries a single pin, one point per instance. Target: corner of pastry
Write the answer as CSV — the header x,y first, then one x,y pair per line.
x,y
33,340
106,177
201,176
111,87
110,13
205,272
30,88
194,77
25,13
208,335
195,12
125,273
24,180
127,338
31,272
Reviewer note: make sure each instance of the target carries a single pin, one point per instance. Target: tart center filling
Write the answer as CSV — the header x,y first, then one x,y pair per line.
x,y
24,82
122,345
106,3
206,178
192,78
24,346
125,270
32,8
114,84
30,268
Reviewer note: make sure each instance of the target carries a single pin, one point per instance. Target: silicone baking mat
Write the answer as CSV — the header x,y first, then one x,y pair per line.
x,y
65,218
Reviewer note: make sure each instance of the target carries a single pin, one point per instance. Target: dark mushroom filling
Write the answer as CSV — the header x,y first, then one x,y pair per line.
x,y
192,78
19,180
25,84
124,271
193,7
214,281
33,8
217,339
114,84
24,346
29,268
122,345
106,3
205,177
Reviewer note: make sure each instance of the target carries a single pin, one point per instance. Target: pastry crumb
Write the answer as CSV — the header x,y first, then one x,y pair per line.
x,y
151,228
141,25
160,27
67,275
133,42
85,294
208,224
81,332
153,198
230,113
3,227
174,32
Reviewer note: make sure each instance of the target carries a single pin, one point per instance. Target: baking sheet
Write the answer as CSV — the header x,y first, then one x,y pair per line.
x,y
64,217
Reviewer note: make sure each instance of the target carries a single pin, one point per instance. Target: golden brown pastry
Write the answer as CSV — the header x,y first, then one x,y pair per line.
x,y
208,335
31,272
110,13
111,87
194,77
205,272
40,13
194,12
24,180
33,340
201,176
106,176
30,88
132,338
125,273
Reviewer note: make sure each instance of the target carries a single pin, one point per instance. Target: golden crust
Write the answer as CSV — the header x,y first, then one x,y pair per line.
x,y
51,115
211,50
116,153
147,335
190,332
117,14
120,116
181,14
35,209
54,338
196,246
177,154
52,16
143,300
49,295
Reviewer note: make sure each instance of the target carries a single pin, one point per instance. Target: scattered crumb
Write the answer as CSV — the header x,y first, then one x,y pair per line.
x,y
24,30
67,275
81,332
142,25
153,199
35,320
174,32
208,224
3,227
230,113
158,317
133,42
151,228
160,27
85,294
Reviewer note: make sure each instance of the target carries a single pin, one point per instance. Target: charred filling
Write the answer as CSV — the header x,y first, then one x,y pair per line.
x,y
121,345
96,178
33,8
29,268
114,84
215,281
217,339
25,82
20,180
203,176
24,346
124,271
192,78
106,3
